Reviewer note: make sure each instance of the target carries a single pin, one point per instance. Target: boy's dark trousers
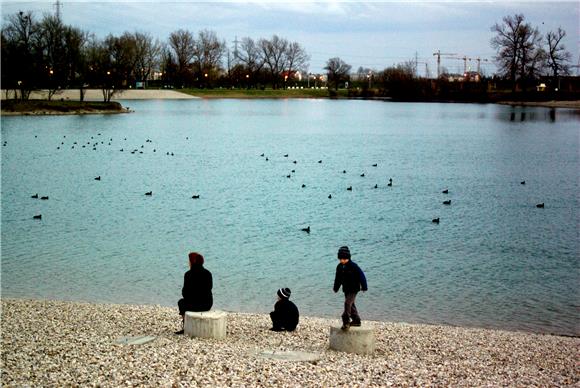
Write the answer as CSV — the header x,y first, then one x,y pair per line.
x,y
350,311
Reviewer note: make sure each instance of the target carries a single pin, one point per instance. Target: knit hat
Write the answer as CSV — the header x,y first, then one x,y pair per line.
x,y
284,293
195,258
344,253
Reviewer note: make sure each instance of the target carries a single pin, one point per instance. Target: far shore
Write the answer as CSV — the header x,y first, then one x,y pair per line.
x,y
172,94
56,343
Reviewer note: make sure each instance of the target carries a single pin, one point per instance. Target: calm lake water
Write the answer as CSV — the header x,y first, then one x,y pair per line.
x,y
494,260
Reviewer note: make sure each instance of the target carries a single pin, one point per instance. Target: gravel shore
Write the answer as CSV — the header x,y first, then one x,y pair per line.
x,y
52,343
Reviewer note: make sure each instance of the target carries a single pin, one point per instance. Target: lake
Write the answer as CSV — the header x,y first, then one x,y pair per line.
x,y
494,259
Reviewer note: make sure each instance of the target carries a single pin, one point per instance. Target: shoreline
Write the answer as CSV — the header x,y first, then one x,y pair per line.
x,y
166,94
74,343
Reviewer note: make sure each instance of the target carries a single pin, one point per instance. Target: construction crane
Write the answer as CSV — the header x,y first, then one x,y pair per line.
x,y
439,54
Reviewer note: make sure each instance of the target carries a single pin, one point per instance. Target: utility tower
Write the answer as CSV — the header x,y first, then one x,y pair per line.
x,y
438,54
58,5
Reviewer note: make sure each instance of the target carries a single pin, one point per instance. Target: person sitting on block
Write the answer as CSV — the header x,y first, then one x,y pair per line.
x,y
285,315
196,291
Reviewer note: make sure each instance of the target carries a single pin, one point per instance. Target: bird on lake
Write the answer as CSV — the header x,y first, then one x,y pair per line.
x,y
303,185
35,196
288,176
262,155
446,191
344,171
363,174
294,162
195,196
320,161
45,198
540,205
375,165
98,178
307,230
329,196
523,182
435,220
37,217
376,186
149,193
286,155
349,188
448,202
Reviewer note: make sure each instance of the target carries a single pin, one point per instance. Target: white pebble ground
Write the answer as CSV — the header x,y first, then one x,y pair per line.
x,y
52,343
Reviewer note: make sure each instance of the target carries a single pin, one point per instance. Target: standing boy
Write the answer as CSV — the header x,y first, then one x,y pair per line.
x,y
352,279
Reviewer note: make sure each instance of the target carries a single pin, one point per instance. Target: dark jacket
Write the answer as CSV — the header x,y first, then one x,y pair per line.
x,y
350,277
197,285
285,315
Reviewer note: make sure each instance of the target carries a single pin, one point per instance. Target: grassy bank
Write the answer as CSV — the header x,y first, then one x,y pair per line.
x,y
259,93
45,107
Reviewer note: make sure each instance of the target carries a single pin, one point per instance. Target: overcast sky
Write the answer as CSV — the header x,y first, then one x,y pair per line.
x,y
373,34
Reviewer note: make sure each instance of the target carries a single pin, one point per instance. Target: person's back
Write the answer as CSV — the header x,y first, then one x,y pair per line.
x,y
285,315
197,286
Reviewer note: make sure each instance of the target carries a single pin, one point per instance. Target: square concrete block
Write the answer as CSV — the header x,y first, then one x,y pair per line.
x,y
205,324
359,340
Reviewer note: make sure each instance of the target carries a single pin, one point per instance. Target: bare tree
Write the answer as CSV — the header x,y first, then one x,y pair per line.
x,y
19,54
518,45
208,55
531,54
557,56
507,44
273,53
337,71
249,55
51,43
296,58
147,52
75,61
183,44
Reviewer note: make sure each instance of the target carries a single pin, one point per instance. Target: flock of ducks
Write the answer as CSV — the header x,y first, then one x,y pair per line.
x,y
437,220
94,143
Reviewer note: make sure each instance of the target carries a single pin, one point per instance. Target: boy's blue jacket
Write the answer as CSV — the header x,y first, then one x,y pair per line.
x,y
350,277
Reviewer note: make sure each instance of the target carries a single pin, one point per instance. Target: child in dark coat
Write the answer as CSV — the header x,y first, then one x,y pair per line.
x,y
352,279
285,315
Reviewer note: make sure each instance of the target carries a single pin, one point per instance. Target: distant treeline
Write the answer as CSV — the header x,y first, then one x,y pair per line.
x,y
47,54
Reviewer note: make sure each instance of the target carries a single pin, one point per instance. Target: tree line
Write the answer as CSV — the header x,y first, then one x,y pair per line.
x,y
47,54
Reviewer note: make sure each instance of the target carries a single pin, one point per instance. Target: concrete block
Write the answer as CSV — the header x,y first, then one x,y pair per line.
x,y
359,340
205,324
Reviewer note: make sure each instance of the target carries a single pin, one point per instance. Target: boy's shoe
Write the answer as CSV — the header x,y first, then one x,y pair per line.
x,y
180,332
276,329
355,323
345,326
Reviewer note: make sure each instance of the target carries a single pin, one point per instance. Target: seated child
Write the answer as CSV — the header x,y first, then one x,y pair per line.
x,y
285,315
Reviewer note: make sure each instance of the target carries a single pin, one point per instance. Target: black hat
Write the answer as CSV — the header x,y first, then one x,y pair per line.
x,y
344,253
284,293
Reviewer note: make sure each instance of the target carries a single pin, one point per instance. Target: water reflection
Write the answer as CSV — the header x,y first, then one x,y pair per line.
x,y
539,114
